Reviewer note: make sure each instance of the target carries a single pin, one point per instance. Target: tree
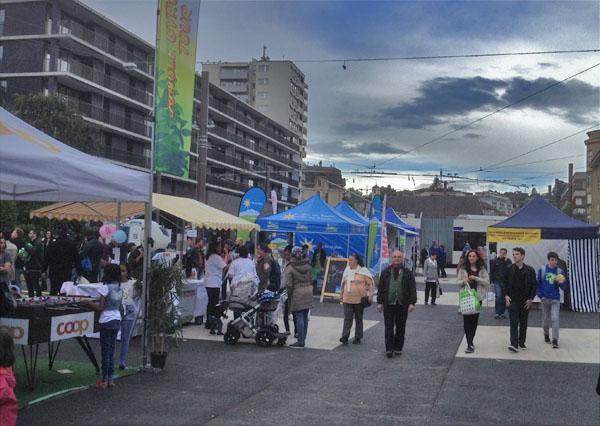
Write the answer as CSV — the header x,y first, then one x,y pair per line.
x,y
53,116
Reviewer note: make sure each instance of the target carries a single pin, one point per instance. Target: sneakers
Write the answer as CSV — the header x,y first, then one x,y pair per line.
x,y
344,340
356,341
101,385
513,349
427,303
433,304
522,346
296,345
122,367
555,343
503,316
546,338
497,316
389,354
397,353
287,333
469,350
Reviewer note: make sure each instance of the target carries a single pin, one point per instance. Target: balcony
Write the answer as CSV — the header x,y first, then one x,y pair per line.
x,y
68,26
226,183
232,137
239,116
126,157
122,121
228,159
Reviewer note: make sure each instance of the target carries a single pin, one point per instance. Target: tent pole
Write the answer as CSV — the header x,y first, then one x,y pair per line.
x,y
118,214
147,259
255,243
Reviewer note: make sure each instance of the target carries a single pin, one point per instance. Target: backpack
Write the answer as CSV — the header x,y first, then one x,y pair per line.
x,y
274,276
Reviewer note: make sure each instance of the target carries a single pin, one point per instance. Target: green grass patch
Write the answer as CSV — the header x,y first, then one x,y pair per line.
x,y
51,383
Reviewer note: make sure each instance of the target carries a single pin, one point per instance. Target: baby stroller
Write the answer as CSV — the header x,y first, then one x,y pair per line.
x,y
256,321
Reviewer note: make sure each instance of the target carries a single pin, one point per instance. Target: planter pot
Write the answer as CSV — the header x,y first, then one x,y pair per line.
x,y
158,359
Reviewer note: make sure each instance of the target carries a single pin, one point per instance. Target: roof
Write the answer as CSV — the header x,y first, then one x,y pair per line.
x,y
436,206
312,215
188,209
331,174
347,210
540,214
36,167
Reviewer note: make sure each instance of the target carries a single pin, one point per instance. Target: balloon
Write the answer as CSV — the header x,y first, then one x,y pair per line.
x,y
120,236
107,230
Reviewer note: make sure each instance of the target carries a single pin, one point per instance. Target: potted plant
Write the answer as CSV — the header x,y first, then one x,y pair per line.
x,y
164,319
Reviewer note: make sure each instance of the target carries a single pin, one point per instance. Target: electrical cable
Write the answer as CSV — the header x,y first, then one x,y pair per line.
x,y
438,138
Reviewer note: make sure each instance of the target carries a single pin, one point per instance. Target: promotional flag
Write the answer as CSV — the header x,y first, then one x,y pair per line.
x,y
175,84
251,204
385,256
373,245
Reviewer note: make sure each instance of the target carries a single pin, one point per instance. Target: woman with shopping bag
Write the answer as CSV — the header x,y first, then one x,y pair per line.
x,y
473,281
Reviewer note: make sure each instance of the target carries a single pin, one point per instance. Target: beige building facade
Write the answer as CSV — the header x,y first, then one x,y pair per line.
x,y
592,144
327,182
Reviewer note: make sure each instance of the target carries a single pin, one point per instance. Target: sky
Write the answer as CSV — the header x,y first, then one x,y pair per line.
x,y
379,113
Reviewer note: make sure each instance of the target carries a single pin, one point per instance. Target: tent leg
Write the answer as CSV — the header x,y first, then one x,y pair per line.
x,y
145,278
255,243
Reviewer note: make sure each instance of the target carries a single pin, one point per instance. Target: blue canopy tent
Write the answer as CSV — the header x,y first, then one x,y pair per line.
x,y
358,242
313,222
539,227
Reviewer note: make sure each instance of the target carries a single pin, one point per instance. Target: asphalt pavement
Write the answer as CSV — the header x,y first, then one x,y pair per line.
x,y
207,382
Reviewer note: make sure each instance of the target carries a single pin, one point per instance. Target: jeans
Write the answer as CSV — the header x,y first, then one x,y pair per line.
x,y
394,317
550,313
301,318
441,270
470,325
353,311
18,273
32,278
430,286
500,303
286,317
108,339
518,322
126,332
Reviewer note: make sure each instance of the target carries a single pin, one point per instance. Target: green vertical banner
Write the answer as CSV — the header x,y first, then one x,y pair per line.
x,y
175,83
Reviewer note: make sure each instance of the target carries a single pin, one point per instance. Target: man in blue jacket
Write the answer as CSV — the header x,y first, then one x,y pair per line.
x,y
550,279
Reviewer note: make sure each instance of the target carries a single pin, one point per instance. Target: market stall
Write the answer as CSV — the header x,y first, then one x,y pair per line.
x,y
356,240
539,227
36,167
313,222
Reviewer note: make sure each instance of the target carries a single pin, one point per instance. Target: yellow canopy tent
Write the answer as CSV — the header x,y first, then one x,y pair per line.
x,y
193,211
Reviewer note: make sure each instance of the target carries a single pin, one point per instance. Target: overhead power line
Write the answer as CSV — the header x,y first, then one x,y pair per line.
x,y
546,145
458,56
548,160
438,138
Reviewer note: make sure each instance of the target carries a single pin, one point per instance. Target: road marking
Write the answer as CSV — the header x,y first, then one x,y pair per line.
x,y
323,332
576,345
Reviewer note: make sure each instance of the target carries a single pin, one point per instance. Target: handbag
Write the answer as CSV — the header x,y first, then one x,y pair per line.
x,y
86,264
469,303
364,301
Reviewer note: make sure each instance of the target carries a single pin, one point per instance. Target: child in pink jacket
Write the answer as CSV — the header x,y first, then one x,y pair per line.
x,y
9,407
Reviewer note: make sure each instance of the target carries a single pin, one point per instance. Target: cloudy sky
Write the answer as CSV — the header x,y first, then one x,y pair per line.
x,y
378,113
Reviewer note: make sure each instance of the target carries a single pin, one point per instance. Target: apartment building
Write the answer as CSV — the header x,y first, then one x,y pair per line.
x,y
276,88
65,48
579,195
326,181
592,144
497,201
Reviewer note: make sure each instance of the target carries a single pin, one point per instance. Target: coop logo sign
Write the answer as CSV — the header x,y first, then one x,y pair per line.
x,y
68,326
17,328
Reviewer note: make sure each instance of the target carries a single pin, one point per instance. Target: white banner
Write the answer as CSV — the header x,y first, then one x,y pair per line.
x,y
68,326
17,328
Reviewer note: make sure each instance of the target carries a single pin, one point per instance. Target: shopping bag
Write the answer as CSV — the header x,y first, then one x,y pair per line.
x,y
469,303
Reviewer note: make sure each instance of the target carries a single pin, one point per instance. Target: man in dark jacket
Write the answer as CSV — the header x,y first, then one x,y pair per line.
x,y
93,250
498,276
33,256
61,257
521,287
396,297
16,237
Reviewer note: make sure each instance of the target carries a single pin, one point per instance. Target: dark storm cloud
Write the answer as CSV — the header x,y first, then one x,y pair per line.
x,y
448,99
347,148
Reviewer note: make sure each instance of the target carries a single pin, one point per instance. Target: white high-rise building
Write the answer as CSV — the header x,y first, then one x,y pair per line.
x,y
276,88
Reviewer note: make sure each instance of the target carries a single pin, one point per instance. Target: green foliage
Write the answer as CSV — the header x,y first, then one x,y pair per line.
x,y
53,116
170,152
166,285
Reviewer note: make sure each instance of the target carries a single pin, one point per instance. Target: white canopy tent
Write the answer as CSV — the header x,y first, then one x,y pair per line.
x,y
36,167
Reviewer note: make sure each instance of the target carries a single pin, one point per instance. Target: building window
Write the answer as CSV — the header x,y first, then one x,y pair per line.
x,y
263,68
262,95
250,182
2,17
578,202
3,85
263,81
1,52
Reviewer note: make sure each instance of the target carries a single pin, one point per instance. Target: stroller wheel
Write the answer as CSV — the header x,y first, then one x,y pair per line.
x,y
264,338
231,337
281,341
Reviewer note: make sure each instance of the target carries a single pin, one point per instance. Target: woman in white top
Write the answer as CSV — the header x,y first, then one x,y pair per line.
x,y
213,278
357,283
